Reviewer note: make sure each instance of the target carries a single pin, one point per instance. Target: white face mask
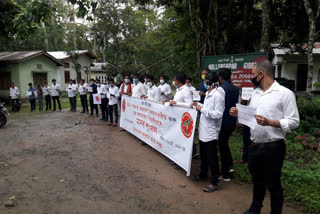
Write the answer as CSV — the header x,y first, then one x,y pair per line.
x,y
161,81
91,82
127,81
149,84
188,84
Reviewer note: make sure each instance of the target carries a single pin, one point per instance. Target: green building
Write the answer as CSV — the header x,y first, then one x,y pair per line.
x,y
23,67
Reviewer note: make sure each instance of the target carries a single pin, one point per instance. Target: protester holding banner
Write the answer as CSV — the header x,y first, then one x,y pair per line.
x,y
165,89
55,91
138,89
228,123
83,96
93,90
126,88
14,96
276,115
209,128
113,104
153,91
46,93
202,89
183,95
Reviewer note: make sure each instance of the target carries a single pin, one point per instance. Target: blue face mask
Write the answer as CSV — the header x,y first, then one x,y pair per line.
x,y
135,81
205,86
176,86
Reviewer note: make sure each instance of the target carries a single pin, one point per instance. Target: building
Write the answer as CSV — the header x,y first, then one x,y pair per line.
x,y
24,67
292,65
99,71
76,65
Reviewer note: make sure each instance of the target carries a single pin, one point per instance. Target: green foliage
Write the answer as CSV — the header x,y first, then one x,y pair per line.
x,y
316,85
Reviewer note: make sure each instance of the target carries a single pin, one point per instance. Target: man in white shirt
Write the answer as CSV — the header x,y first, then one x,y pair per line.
x,y
165,88
82,89
209,128
55,91
14,96
189,84
72,91
183,96
153,91
103,90
126,87
46,93
276,115
113,103
138,88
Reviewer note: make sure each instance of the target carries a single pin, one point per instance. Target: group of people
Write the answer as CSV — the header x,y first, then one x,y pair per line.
x,y
276,115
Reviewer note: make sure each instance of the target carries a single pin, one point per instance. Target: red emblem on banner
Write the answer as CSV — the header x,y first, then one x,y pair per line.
x,y
97,98
187,125
123,105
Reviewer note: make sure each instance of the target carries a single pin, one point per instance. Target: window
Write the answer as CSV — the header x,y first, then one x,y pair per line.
x,y
279,71
66,65
66,76
78,77
5,80
39,66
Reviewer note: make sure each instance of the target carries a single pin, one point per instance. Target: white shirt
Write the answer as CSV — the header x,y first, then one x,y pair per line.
x,y
115,91
46,91
125,89
183,96
82,89
166,89
72,90
55,89
154,93
102,90
14,93
138,90
192,89
277,103
211,115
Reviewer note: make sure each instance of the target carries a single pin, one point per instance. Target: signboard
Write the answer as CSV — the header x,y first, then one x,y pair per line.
x,y
96,99
240,64
168,129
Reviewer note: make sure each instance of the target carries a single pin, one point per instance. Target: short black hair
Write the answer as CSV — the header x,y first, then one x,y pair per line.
x,y
30,84
54,80
224,73
181,77
212,77
163,76
148,76
111,80
189,79
83,80
91,79
135,74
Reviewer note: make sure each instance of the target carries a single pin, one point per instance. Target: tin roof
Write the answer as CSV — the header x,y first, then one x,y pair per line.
x,y
285,51
62,55
20,56
98,66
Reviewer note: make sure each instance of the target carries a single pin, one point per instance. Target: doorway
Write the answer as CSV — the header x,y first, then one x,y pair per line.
x,y
39,78
302,76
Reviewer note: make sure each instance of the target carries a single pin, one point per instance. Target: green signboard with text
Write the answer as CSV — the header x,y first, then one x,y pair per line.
x,y
240,64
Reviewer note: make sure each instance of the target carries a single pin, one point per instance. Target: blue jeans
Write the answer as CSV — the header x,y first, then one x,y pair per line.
x,y
40,98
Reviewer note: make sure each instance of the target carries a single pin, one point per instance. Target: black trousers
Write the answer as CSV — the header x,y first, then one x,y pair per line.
x,y
93,106
225,153
33,104
84,103
113,109
265,163
209,160
54,99
72,101
104,108
48,101
246,142
15,104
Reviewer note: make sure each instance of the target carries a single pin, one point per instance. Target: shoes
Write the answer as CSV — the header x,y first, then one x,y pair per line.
x,y
114,125
110,124
196,156
231,170
225,178
82,112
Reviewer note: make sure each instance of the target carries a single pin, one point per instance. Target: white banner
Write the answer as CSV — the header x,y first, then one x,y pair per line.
x,y
168,129
96,99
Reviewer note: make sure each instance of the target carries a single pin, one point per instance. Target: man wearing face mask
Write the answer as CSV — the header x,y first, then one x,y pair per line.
x,y
276,115
209,127
183,95
202,89
103,90
153,91
165,89
125,88
94,90
189,84
228,123
138,88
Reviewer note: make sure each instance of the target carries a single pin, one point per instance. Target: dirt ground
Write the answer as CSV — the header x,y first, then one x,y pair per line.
x,y
69,163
